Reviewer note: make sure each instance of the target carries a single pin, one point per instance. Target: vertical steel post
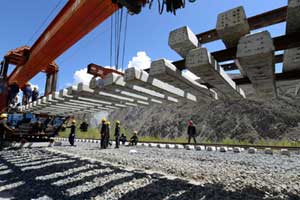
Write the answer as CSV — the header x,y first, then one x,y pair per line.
x,y
4,67
3,85
48,83
54,81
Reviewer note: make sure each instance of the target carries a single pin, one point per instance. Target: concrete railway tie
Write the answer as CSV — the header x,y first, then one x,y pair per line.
x,y
222,149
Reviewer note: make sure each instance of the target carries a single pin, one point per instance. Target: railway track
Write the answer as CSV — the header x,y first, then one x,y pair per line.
x,y
204,145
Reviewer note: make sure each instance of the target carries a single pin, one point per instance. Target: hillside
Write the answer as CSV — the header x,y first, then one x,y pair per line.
x,y
242,120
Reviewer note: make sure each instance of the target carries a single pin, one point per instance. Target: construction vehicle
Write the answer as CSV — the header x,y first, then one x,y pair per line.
x,y
77,18
74,21
34,128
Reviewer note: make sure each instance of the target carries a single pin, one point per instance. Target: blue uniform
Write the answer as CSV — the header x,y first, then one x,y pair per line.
x,y
35,95
72,134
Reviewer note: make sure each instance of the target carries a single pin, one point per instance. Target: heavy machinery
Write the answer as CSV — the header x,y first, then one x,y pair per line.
x,y
74,21
34,128
77,18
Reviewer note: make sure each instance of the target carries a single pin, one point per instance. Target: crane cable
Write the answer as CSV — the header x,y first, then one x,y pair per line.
x,y
115,38
44,22
124,42
119,37
111,39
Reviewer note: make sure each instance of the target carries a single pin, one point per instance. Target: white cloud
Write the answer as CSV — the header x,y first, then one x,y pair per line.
x,y
34,86
141,61
82,76
68,84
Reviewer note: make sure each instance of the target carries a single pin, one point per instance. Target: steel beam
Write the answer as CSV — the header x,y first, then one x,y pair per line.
x,y
256,22
52,44
232,65
281,43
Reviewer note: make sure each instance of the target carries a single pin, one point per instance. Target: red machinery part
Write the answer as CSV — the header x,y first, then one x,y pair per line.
x,y
75,20
100,71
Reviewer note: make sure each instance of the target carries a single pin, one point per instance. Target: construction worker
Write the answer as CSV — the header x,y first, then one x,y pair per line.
x,y
103,133
107,134
84,126
123,139
27,93
117,133
13,91
134,139
35,94
191,131
4,129
72,132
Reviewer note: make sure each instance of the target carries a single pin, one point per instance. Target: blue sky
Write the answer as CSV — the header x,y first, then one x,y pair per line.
x,y
147,32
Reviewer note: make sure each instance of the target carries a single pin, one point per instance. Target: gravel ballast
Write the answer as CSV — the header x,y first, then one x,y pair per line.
x,y
86,172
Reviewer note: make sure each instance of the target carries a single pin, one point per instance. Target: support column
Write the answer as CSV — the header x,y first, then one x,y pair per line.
x,y
51,82
3,85
54,81
4,67
256,55
1,69
48,84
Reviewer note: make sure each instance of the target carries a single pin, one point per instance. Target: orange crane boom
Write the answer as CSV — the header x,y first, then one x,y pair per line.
x,y
74,21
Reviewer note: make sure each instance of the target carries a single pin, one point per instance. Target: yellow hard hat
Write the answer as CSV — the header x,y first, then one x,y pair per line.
x,y
103,120
117,122
135,132
3,115
108,123
74,121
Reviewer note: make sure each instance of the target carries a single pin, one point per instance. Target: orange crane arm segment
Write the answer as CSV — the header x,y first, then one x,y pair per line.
x,y
75,20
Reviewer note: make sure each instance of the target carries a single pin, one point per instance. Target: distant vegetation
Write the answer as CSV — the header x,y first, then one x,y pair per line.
x,y
93,133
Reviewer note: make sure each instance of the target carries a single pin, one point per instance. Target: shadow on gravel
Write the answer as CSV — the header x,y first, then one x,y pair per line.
x,y
171,190
160,188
